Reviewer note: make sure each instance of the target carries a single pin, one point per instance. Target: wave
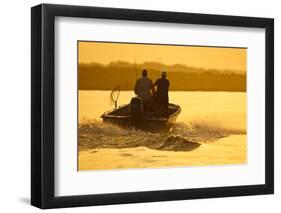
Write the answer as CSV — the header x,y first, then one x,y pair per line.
x,y
182,136
204,130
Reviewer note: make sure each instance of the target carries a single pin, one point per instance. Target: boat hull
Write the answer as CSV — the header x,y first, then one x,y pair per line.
x,y
150,123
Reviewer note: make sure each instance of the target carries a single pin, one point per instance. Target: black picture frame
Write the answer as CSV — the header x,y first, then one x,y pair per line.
x,y
43,102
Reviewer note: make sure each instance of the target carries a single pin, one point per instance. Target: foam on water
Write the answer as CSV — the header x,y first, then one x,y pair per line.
x,y
181,137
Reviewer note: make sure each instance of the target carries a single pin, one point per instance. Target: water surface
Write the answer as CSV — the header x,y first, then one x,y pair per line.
x,y
211,130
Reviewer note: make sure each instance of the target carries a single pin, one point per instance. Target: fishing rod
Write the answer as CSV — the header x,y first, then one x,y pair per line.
x,y
136,72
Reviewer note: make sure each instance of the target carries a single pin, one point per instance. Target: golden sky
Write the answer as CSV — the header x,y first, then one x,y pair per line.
x,y
194,56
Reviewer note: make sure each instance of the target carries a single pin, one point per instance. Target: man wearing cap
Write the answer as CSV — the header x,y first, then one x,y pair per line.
x,y
162,96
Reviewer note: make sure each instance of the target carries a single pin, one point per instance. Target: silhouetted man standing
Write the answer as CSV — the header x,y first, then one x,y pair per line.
x,y
162,93
143,87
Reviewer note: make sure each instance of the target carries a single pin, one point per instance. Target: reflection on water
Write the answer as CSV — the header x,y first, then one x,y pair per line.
x,y
206,118
225,109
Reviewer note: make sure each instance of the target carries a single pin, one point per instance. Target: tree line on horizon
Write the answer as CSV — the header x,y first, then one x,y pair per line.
x,y
95,76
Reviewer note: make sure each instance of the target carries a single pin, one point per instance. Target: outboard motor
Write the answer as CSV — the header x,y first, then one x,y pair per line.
x,y
136,107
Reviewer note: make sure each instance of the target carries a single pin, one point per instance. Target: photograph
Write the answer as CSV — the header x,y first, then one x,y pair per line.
x,y
140,105
149,105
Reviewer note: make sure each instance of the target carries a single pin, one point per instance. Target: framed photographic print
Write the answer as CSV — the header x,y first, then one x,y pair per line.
x,y
139,106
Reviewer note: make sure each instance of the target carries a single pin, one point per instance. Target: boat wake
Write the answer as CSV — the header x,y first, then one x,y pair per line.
x,y
94,134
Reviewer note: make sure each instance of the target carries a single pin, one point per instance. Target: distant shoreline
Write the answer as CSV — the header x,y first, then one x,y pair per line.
x,y
182,78
109,90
